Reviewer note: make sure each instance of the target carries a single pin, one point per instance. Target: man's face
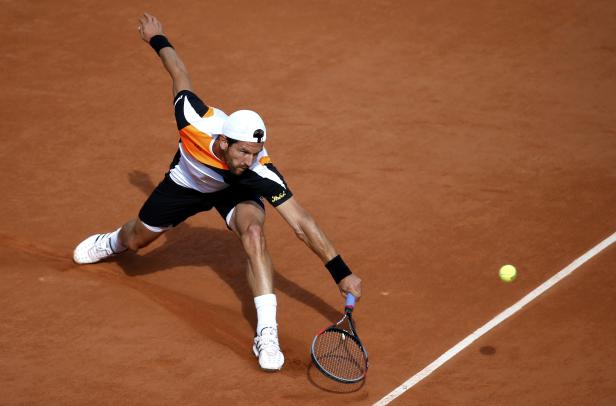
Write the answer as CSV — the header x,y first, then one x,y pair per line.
x,y
240,155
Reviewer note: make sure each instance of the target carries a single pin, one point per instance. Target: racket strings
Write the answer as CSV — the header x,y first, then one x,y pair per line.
x,y
340,355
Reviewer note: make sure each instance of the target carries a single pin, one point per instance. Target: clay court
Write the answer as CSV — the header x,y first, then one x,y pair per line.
x,y
434,141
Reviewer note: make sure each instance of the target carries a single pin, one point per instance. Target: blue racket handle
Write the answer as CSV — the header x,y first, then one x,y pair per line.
x,y
350,301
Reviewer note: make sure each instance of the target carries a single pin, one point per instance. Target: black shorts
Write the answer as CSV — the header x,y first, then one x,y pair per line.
x,y
170,204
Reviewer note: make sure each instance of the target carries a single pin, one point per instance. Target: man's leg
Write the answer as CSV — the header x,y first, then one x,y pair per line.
x,y
169,204
132,235
247,222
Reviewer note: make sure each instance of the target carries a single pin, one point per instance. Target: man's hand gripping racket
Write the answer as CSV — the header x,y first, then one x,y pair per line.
x,y
338,352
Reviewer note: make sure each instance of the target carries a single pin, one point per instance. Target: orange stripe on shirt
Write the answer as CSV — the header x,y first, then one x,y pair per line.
x,y
265,160
197,144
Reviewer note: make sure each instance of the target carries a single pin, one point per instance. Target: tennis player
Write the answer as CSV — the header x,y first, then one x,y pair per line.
x,y
221,163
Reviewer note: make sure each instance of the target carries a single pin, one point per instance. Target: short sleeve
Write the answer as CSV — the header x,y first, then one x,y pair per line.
x,y
267,182
188,108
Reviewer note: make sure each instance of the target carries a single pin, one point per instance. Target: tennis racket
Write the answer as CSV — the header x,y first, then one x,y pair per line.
x,y
337,352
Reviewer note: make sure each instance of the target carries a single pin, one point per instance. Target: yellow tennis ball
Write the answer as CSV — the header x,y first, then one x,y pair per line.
x,y
507,273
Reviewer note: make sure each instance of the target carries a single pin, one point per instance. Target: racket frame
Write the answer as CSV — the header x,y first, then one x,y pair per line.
x,y
352,334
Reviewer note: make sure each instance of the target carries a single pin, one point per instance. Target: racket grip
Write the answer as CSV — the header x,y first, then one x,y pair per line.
x,y
350,301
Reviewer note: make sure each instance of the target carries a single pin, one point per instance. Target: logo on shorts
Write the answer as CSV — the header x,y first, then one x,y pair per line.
x,y
278,197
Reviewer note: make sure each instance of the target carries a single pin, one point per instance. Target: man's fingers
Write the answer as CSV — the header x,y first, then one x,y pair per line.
x,y
150,23
350,284
145,19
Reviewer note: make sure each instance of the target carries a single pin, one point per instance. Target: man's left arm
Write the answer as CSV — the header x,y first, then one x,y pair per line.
x,y
151,31
307,230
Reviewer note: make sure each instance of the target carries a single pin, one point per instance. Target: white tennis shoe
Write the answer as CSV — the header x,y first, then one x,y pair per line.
x,y
267,349
93,249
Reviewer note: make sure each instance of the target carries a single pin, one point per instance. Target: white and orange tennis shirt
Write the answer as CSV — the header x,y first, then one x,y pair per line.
x,y
200,169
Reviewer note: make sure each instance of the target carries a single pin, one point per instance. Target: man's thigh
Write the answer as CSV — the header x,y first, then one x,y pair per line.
x,y
246,214
247,203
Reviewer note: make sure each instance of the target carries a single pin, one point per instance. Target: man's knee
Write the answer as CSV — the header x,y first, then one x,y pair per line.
x,y
253,238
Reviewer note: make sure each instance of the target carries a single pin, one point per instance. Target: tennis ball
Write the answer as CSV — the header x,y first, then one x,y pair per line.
x,y
507,273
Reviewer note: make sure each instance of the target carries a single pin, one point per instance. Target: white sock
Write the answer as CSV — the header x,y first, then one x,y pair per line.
x,y
114,240
266,311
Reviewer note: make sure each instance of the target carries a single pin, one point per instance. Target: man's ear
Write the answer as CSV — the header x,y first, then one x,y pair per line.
x,y
224,143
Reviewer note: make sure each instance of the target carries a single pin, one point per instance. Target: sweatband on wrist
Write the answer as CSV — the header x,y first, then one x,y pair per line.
x,y
338,269
158,42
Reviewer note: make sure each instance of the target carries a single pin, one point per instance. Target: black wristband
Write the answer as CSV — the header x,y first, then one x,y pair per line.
x,y
338,268
158,42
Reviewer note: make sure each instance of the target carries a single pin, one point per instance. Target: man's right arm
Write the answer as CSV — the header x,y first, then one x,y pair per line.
x,y
149,27
307,230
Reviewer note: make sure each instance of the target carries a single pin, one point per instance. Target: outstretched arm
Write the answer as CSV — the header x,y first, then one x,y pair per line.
x,y
309,232
150,27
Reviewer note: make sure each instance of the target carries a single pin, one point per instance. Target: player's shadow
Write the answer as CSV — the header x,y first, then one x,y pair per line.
x,y
217,249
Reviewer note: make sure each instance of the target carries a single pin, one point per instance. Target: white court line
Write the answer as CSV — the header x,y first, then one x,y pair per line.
x,y
415,379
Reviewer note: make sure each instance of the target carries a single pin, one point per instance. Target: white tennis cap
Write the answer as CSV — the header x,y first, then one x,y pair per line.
x,y
245,125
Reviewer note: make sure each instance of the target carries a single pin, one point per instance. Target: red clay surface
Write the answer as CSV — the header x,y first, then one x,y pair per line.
x,y
433,140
